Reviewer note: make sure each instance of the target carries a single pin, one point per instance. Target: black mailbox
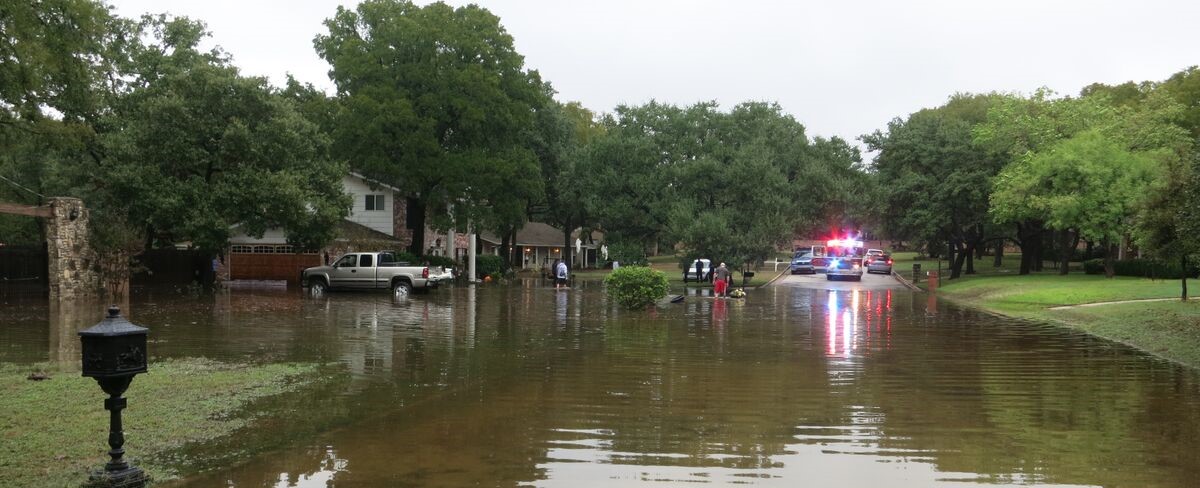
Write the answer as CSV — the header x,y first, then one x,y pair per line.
x,y
114,347
114,350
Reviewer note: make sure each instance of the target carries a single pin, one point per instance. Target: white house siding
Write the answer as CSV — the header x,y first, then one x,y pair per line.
x,y
380,220
271,236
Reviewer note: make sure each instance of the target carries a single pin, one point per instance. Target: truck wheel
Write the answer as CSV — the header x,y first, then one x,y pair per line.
x,y
401,289
316,287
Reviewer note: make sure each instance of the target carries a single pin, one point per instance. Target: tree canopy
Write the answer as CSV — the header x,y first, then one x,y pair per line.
x,y
436,101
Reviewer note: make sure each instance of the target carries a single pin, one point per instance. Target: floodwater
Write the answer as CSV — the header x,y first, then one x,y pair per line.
x,y
528,386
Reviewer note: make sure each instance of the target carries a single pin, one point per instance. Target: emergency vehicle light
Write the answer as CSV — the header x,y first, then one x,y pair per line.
x,y
844,243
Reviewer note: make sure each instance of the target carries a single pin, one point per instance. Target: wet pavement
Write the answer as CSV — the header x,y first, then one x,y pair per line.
x,y
877,282
528,386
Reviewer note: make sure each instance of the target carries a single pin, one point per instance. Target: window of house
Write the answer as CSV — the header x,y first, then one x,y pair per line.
x,y
375,202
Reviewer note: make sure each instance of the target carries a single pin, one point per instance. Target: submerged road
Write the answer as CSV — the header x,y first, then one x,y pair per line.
x,y
818,282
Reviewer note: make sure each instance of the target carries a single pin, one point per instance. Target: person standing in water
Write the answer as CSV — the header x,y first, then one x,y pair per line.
x,y
560,275
721,281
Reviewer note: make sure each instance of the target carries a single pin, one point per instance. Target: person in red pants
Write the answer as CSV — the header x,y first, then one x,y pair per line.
x,y
721,280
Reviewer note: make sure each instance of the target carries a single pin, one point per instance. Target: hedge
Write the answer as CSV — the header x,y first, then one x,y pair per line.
x,y
1147,268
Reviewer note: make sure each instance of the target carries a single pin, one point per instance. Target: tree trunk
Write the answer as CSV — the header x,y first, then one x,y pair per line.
x,y
1109,252
513,255
416,215
998,259
568,246
1029,238
1064,254
506,252
957,257
1183,264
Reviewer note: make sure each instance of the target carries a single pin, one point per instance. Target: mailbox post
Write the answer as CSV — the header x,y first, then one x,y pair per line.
x,y
114,350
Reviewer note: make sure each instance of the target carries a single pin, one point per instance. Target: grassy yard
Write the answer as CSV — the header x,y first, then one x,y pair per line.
x,y
55,430
1170,329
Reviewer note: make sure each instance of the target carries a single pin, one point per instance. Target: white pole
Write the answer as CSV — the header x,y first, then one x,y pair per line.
x,y
470,252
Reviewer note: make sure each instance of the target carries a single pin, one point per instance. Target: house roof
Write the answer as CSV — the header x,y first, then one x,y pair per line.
x,y
532,234
349,230
374,183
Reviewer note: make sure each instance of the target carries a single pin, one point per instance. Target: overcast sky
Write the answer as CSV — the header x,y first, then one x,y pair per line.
x,y
840,67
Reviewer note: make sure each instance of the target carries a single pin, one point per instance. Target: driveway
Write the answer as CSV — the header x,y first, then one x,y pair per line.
x,y
818,281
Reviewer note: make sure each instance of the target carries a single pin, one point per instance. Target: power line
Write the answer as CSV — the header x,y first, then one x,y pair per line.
x,y
18,185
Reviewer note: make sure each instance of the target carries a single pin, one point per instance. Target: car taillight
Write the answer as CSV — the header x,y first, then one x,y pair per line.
x,y
889,262
424,272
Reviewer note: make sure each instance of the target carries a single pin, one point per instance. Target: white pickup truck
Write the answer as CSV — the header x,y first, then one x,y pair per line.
x,y
368,271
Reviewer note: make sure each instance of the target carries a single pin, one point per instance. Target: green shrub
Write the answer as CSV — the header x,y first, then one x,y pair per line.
x,y
1146,268
407,257
636,287
443,261
488,264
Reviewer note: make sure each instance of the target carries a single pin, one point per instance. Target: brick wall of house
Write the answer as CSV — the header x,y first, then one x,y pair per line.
x,y
399,215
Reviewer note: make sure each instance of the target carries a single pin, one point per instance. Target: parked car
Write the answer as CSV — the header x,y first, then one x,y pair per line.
x,y
880,263
704,272
802,263
368,271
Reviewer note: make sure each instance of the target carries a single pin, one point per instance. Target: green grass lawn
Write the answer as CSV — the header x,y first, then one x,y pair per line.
x,y
55,431
1036,292
1170,329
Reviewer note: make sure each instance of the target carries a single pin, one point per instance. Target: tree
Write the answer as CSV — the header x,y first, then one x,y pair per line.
x,y
1088,182
559,132
56,56
934,180
56,52
193,149
436,101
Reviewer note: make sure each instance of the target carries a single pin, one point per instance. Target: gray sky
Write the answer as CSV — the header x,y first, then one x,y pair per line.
x,y
840,67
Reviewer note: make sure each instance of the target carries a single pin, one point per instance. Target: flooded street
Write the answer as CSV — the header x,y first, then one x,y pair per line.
x,y
526,386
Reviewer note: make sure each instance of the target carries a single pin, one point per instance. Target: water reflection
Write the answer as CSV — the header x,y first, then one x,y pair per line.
x,y
531,386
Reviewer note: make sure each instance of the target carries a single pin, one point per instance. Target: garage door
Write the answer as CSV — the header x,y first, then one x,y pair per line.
x,y
269,262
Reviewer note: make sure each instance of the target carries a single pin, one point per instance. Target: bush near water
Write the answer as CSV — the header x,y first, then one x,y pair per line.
x,y
637,287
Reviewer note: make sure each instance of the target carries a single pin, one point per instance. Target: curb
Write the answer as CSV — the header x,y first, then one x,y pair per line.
x,y
906,283
773,280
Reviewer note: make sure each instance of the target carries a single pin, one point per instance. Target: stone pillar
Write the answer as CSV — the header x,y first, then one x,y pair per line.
x,y
72,263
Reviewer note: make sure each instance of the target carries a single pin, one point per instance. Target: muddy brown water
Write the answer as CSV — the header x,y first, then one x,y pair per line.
x,y
526,386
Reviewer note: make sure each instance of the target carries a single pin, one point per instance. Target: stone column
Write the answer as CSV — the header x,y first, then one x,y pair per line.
x,y
72,265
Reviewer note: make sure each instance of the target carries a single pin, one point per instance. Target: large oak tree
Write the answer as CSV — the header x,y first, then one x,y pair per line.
x,y
437,101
